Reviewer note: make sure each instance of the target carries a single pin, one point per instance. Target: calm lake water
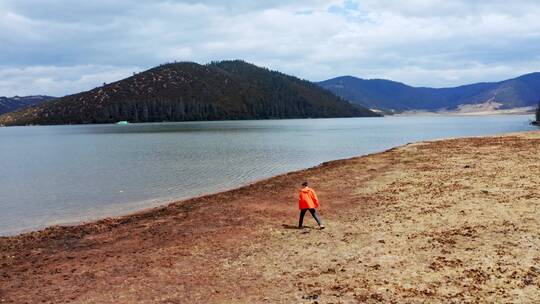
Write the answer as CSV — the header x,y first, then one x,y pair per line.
x,y
67,174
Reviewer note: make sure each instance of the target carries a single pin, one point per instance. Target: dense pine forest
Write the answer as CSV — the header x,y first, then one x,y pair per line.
x,y
189,91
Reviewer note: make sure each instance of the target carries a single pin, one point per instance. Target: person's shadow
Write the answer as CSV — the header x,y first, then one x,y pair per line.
x,y
286,226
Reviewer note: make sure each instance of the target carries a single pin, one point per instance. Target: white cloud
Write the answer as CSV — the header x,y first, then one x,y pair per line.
x,y
421,42
58,81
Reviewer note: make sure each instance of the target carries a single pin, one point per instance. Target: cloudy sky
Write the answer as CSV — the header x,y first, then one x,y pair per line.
x,y
58,47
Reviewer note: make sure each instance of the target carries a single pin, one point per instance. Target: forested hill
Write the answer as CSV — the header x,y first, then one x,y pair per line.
x,y
9,104
522,91
190,91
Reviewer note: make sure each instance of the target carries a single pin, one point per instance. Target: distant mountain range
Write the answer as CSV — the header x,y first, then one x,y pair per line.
x,y
523,91
190,91
9,104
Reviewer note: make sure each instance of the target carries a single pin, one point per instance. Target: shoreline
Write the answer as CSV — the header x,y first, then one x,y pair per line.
x,y
169,202
463,113
510,112
426,221
186,121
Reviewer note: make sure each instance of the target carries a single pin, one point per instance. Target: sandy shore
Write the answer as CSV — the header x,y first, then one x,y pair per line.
x,y
452,221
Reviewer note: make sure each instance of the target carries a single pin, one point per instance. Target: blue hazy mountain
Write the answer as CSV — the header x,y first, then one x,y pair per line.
x,y
10,104
522,91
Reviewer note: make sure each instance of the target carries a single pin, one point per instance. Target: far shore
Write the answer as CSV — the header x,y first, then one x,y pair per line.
x,y
435,221
516,111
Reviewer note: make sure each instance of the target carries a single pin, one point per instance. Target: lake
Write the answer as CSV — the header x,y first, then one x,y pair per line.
x,y
68,174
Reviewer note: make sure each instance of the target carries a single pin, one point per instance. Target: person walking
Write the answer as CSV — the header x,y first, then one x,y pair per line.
x,y
308,200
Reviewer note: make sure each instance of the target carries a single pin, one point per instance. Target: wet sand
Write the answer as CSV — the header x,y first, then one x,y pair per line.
x,y
451,221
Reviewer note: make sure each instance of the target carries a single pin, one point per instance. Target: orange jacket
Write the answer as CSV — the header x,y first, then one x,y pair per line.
x,y
308,199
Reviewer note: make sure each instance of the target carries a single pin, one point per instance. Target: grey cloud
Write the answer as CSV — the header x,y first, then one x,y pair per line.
x,y
420,42
450,8
57,81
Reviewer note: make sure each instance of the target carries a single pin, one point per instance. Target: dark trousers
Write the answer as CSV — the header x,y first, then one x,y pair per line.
x,y
313,213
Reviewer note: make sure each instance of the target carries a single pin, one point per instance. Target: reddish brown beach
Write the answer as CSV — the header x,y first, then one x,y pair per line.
x,y
450,221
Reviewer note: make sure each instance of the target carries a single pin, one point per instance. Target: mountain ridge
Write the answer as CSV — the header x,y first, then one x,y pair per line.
x,y
521,91
10,104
